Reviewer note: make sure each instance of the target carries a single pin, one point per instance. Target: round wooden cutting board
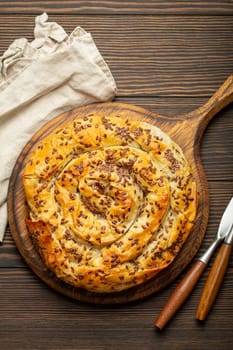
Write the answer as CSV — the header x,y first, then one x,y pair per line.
x,y
185,130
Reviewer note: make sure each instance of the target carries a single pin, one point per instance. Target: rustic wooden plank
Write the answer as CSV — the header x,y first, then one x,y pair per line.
x,y
19,306
209,7
37,318
9,255
150,55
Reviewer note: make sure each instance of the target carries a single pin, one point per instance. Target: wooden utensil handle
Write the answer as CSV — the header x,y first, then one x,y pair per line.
x,y
180,294
214,281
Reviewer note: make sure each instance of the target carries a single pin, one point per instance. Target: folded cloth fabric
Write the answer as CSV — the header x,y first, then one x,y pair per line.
x,y
41,79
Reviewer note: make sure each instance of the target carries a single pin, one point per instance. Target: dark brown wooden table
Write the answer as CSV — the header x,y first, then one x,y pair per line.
x,y
168,57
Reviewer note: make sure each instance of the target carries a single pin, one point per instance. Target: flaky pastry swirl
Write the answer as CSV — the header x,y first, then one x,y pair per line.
x,y
111,201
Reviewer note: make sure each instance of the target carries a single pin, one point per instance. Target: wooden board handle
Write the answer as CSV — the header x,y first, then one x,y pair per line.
x,y
194,123
180,294
222,97
214,281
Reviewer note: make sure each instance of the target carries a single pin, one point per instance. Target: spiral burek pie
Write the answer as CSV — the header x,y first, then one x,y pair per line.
x,y
110,201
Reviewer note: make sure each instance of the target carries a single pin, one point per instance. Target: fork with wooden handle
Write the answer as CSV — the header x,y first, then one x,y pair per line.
x,y
186,285
215,278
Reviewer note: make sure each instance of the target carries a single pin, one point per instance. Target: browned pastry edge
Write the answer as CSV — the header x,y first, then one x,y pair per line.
x,y
111,201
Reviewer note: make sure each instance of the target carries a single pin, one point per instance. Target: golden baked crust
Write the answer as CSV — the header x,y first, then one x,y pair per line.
x,y
111,201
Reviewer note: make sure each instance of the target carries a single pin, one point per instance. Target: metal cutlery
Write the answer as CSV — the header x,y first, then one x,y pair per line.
x,y
186,285
215,277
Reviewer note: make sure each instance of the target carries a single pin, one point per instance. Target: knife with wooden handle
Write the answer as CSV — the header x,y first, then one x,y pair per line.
x,y
186,285
215,278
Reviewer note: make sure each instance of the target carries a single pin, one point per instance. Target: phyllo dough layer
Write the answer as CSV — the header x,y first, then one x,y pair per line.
x,y
111,201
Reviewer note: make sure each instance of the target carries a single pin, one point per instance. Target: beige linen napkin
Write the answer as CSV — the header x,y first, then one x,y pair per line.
x,y
41,79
